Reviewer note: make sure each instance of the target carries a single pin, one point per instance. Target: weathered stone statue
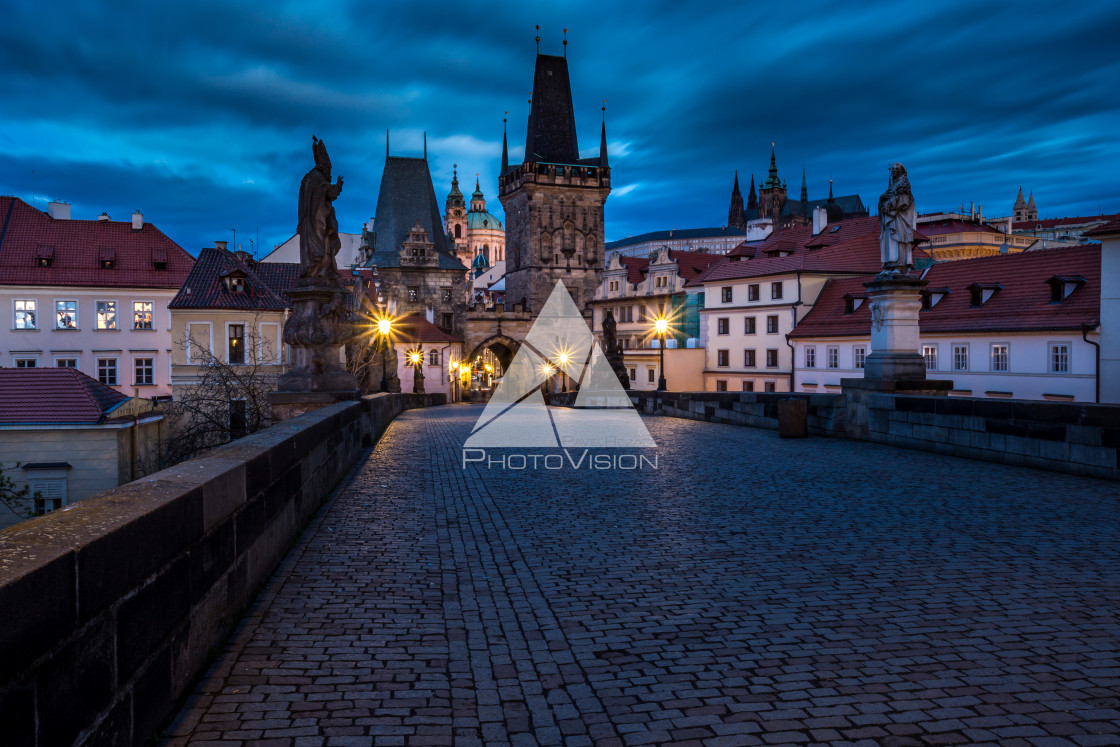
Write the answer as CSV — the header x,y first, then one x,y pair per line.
x,y
612,349
897,219
319,324
319,241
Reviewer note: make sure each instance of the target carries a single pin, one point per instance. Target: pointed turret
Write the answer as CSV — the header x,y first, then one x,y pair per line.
x,y
603,142
454,197
804,187
1032,209
752,198
1020,203
505,150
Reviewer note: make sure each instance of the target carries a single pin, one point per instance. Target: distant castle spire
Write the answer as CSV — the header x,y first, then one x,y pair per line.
x,y
752,198
1032,209
735,216
804,187
772,180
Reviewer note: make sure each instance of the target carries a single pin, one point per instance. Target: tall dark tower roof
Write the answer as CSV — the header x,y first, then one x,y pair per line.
x,y
551,136
406,198
752,198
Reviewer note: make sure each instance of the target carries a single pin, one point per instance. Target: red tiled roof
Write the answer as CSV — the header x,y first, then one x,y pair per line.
x,y
1027,225
853,247
1113,226
265,283
636,268
941,227
1021,304
54,395
416,328
76,248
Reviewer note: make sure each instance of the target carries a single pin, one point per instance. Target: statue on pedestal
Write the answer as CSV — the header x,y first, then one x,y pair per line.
x,y
897,219
319,324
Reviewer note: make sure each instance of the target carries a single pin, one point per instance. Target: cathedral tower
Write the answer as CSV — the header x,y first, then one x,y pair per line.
x,y
553,199
772,196
735,215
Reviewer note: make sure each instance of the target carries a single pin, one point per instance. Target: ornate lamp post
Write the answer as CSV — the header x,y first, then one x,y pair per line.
x,y
661,325
384,329
562,359
416,358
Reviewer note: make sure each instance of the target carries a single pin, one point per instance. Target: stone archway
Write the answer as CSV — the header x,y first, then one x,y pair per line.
x,y
502,346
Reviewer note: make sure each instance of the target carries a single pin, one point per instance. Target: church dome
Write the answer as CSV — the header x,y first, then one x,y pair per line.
x,y
482,220
480,264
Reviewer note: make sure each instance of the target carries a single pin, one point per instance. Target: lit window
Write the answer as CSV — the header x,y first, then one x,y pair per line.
x,y
236,343
26,315
960,357
929,353
106,314
1059,358
142,315
107,371
145,371
810,357
999,357
66,314
859,356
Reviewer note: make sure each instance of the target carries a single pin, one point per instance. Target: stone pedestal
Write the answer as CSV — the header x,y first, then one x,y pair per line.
x,y
315,332
895,301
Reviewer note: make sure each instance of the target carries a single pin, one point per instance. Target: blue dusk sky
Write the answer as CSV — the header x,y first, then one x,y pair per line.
x,y
200,114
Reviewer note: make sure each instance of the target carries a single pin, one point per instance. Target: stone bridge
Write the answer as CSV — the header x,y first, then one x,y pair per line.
x,y
747,590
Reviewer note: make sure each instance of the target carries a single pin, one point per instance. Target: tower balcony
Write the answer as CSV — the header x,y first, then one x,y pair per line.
x,y
558,174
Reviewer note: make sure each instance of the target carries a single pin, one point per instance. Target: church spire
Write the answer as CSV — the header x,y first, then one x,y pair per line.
x,y
804,187
752,198
772,180
735,216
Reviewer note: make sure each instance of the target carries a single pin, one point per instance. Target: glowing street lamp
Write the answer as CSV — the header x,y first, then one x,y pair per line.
x,y
661,326
416,358
384,330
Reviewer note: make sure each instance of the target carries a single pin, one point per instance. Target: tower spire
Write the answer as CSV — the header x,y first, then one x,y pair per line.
x,y
505,147
538,38
752,198
735,186
603,140
804,187
772,180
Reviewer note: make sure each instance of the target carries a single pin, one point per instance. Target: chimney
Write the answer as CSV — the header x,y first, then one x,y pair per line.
x,y
137,221
820,220
104,217
220,244
58,210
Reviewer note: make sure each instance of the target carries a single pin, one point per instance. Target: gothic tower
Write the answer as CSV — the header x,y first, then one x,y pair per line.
x,y
553,199
1020,207
455,219
735,215
752,198
772,196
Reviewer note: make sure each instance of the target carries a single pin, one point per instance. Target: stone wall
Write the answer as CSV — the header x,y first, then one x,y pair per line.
x,y
109,608
758,409
1080,439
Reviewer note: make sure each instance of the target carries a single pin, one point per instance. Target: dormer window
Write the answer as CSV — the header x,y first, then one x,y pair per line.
x,y
44,256
852,302
159,259
106,257
1062,286
980,293
932,296
235,282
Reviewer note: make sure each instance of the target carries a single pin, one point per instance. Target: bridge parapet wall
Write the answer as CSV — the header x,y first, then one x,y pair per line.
x,y
1079,439
110,607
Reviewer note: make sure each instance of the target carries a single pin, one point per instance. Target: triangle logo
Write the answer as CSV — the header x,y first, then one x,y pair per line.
x,y
517,416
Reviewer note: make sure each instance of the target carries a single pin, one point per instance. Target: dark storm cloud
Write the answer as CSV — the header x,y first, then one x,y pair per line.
x,y
200,114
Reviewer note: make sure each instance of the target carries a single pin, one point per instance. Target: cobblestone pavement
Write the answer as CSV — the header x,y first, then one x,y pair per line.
x,y
749,591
